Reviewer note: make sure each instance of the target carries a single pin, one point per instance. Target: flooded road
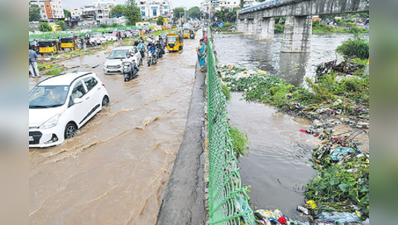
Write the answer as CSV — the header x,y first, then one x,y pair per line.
x,y
115,170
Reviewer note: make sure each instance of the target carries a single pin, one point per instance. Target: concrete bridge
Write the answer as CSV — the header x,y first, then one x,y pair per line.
x,y
259,20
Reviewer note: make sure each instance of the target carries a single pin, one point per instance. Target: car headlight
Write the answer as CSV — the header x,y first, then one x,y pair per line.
x,y
52,122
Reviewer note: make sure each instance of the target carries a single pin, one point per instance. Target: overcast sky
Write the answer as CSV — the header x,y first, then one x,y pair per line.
x,y
175,3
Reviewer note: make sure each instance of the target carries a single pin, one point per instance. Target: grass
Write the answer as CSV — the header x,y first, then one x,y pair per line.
x,y
240,141
55,71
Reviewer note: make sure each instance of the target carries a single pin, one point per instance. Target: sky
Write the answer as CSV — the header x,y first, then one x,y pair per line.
x,y
175,3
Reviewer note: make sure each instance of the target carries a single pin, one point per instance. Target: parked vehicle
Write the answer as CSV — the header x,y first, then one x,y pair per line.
x,y
97,39
68,42
113,63
110,37
60,105
47,46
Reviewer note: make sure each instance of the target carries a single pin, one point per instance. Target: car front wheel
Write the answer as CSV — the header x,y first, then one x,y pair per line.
x,y
70,130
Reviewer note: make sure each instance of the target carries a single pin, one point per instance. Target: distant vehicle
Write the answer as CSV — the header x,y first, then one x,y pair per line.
x,y
110,37
114,63
60,105
136,33
97,39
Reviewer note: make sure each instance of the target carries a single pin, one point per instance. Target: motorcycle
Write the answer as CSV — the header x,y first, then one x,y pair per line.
x,y
128,71
151,59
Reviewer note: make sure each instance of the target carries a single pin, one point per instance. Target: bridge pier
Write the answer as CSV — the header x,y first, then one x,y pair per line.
x,y
251,29
240,26
297,34
265,29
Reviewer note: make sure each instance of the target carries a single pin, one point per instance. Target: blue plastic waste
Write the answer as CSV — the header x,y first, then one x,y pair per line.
x,y
339,153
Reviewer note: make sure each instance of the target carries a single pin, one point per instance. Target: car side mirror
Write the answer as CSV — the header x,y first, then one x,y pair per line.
x,y
78,100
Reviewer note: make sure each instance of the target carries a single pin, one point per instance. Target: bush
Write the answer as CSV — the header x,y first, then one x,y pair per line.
x,y
44,27
103,25
240,141
227,92
114,25
279,28
62,25
357,46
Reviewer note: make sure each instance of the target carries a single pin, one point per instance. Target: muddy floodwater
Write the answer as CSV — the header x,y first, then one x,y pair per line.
x,y
278,165
115,170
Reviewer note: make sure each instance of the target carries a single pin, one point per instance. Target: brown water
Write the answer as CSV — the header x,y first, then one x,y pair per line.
x,y
116,169
278,165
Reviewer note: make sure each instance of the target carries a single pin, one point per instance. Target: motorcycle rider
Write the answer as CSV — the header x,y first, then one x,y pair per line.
x,y
153,50
160,48
141,48
134,67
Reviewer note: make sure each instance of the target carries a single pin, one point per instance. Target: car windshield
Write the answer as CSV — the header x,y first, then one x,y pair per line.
x,y
48,96
118,54
171,39
186,31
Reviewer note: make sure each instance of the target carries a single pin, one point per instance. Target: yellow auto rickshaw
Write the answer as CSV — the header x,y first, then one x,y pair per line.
x,y
186,34
175,42
47,46
68,42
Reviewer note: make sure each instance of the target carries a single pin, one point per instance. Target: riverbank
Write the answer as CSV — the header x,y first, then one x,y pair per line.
x,y
340,119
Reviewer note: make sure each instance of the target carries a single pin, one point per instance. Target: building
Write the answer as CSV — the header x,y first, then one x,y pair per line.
x,y
226,4
152,9
75,13
50,10
105,3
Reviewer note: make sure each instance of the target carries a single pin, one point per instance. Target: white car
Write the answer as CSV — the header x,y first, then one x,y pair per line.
x,y
110,37
113,63
97,40
60,105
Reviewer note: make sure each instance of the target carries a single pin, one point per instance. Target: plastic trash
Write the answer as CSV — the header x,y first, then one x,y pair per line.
x,y
303,210
278,214
342,217
339,153
282,220
312,204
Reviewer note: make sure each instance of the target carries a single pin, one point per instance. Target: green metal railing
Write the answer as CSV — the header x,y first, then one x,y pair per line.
x,y
228,200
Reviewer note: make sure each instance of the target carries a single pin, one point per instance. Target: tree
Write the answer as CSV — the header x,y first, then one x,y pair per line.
x,y
242,3
44,27
178,13
34,13
194,12
67,14
226,15
61,24
117,10
160,20
131,12
103,25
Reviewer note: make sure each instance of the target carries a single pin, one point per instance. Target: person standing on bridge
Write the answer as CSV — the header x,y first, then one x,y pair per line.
x,y
201,51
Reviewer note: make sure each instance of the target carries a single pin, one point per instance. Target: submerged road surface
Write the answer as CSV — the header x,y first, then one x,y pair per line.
x,y
115,170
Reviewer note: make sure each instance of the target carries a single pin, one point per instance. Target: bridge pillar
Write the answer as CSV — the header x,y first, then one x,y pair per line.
x,y
265,29
240,25
297,34
250,27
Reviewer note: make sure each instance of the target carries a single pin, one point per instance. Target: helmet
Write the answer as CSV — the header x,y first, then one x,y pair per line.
x,y
128,54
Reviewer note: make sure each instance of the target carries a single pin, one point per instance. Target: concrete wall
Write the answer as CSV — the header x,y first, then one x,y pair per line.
x,y
297,34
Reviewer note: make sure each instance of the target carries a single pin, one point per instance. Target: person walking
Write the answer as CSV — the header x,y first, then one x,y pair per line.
x,y
201,51
32,63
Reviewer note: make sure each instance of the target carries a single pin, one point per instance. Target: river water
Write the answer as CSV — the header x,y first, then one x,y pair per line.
x,y
116,169
278,165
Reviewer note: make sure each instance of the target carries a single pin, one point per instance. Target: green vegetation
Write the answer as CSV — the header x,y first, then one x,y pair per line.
x,y
178,13
227,14
55,71
194,12
160,20
320,28
34,12
44,27
227,92
279,28
337,186
240,141
117,10
224,28
132,12
67,14
357,46
61,23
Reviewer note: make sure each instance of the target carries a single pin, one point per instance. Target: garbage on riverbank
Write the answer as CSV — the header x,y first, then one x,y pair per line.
x,y
335,100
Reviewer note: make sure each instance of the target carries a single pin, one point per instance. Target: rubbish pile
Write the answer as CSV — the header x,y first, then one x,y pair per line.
x,y
347,66
269,217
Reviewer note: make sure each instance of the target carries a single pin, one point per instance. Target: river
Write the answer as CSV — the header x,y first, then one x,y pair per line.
x,y
115,170
278,165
